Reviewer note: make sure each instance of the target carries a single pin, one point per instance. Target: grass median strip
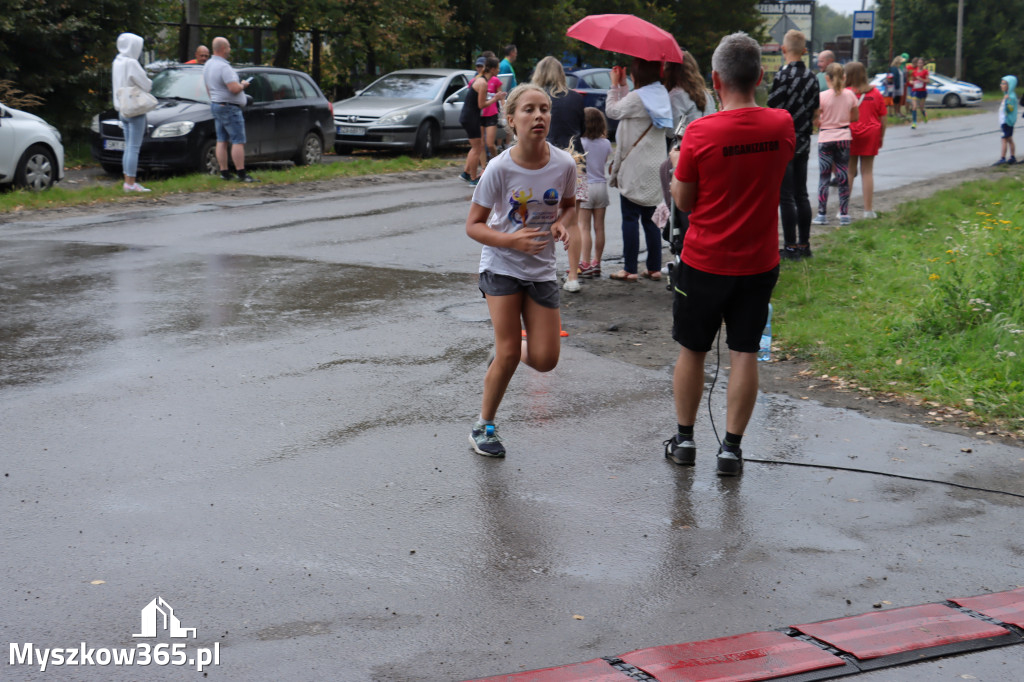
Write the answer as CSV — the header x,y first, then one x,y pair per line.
x,y
58,196
926,301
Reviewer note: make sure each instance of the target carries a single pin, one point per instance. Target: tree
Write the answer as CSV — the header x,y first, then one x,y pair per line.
x,y
61,51
828,24
991,38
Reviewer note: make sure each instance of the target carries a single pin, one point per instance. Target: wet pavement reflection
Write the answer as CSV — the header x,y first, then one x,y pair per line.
x,y
263,419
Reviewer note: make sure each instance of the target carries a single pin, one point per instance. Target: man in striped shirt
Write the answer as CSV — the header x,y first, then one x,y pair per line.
x,y
795,89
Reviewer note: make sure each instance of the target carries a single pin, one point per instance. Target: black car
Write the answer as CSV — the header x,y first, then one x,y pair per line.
x,y
287,118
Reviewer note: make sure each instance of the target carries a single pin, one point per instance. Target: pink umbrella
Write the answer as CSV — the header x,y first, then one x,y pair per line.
x,y
626,34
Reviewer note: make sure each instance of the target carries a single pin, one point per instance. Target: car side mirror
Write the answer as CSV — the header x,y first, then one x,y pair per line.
x,y
452,99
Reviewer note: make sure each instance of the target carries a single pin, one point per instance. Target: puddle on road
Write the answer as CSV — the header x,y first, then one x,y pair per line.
x,y
63,301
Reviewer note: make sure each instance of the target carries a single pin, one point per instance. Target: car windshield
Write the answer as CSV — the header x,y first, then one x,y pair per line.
x,y
406,86
180,84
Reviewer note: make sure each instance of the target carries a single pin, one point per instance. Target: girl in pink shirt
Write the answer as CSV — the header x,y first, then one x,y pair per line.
x,y
838,108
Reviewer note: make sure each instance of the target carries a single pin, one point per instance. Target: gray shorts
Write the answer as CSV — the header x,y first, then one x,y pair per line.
x,y
544,293
598,198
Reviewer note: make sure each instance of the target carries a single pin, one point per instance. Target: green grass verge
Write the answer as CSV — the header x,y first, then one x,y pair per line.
x,y
926,301
58,196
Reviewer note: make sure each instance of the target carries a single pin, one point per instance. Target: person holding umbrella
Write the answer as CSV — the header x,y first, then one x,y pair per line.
x,y
645,118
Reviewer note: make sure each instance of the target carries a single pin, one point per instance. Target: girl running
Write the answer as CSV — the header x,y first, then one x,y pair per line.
x,y
838,108
597,148
523,203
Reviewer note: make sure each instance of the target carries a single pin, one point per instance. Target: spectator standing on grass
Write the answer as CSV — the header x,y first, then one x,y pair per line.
x,y
730,167
645,118
868,132
511,52
127,72
566,129
837,109
470,118
595,206
227,97
1007,119
795,89
897,75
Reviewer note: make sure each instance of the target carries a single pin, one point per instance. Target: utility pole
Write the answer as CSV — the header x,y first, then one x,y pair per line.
x,y
959,38
192,19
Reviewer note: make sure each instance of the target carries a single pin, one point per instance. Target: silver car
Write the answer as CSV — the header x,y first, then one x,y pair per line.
x,y
415,109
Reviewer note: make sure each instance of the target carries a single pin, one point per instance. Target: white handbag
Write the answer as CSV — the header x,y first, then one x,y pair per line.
x,y
133,101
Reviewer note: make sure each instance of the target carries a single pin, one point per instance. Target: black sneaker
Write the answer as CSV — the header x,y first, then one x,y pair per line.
x,y
485,441
789,253
681,451
803,252
245,177
226,175
730,462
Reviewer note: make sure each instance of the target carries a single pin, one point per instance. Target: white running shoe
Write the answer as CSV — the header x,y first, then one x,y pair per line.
x,y
572,286
868,215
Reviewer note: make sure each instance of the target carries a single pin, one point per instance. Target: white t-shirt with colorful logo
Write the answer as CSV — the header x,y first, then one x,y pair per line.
x,y
518,196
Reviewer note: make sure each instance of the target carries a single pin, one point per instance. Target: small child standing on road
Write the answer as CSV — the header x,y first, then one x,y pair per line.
x,y
1007,119
838,109
522,205
868,132
598,149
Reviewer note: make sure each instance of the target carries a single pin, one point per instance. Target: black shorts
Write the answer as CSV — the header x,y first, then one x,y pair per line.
x,y
489,121
702,301
472,128
544,293
897,99
1007,131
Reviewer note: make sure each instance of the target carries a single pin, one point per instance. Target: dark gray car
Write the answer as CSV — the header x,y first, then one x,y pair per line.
x,y
411,109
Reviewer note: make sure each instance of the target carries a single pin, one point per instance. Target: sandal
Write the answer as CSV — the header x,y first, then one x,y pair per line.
x,y
653,276
624,276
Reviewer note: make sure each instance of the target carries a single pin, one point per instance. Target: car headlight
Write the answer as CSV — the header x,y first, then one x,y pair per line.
x,y
94,125
395,117
176,129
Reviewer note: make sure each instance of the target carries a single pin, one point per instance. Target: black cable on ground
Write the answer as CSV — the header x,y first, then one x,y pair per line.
x,y
832,467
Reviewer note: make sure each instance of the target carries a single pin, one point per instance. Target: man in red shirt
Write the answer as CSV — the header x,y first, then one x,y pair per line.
x,y
730,168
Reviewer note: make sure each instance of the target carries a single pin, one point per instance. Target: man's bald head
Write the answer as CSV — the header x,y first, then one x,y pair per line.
x,y
825,57
221,46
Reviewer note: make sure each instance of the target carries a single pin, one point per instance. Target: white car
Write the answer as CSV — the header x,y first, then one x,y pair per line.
x,y
31,151
942,91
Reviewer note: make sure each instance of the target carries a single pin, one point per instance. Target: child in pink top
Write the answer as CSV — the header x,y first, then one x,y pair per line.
x,y
838,108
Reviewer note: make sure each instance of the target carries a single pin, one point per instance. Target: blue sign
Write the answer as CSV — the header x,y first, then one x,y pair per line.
x,y
864,24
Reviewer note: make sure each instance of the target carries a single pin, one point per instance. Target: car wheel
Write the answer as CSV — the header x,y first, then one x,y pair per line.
x,y
208,158
311,151
426,139
951,100
37,169
113,169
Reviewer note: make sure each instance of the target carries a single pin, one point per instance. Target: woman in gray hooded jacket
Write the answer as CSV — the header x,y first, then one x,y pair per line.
x,y
127,71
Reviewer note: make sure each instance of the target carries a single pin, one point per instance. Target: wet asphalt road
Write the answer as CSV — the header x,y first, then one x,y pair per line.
x,y
257,409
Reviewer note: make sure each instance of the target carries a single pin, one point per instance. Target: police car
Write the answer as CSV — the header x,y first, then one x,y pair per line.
x,y
942,91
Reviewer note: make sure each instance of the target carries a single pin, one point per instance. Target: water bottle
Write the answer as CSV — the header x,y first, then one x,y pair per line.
x,y
764,352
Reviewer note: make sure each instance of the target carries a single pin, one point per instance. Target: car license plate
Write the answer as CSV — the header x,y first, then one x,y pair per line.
x,y
114,145
351,130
